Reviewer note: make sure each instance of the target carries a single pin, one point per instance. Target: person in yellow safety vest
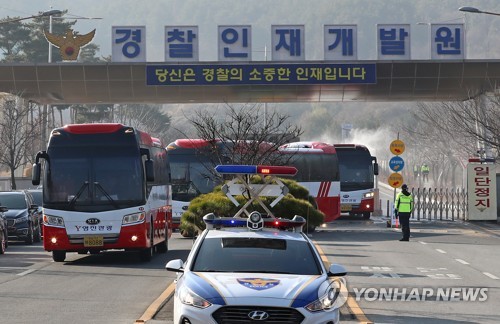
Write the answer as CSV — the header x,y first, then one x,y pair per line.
x,y
416,171
402,209
425,172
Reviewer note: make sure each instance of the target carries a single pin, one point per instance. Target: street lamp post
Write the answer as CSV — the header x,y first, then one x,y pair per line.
x,y
484,148
43,14
475,10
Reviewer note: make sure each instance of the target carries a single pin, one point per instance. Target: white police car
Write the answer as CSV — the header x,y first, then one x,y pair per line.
x,y
256,270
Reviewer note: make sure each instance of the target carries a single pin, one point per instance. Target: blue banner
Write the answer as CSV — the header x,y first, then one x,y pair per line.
x,y
260,74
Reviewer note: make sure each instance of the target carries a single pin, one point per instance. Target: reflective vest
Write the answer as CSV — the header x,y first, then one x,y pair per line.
x,y
404,204
425,168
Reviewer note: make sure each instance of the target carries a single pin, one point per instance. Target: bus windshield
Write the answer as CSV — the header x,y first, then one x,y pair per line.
x,y
191,176
356,169
93,180
315,167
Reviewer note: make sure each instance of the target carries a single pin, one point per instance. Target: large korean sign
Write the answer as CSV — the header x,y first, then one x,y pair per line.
x,y
481,191
234,42
260,74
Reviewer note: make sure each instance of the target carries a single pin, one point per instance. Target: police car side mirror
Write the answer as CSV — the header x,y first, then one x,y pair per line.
x,y
336,270
175,265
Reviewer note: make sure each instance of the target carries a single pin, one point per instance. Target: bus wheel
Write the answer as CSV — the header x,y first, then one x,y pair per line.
x,y
59,256
147,253
163,246
366,215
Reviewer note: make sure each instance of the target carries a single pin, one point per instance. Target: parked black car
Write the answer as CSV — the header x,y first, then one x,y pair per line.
x,y
4,236
38,200
23,220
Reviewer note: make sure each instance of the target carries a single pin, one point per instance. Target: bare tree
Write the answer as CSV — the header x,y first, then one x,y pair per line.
x,y
251,134
148,118
446,134
16,136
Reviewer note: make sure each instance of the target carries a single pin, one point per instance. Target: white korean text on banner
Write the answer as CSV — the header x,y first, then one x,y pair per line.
x,y
287,42
340,42
235,43
128,44
393,42
181,44
447,41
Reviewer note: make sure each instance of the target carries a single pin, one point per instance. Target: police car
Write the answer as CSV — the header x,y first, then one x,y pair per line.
x,y
256,270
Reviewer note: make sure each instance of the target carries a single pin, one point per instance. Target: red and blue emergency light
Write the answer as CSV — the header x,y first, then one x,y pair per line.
x,y
256,169
254,222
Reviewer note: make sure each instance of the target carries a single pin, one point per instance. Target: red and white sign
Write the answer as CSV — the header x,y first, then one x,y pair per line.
x,y
481,187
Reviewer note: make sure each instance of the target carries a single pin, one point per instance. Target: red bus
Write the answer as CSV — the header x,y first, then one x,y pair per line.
x,y
318,172
191,166
357,182
105,186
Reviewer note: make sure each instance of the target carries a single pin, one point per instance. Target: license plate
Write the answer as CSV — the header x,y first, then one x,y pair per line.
x,y
345,207
91,241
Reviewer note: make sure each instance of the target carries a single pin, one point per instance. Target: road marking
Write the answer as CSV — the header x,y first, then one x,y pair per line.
x,y
157,304
462,261
352,305
490,275
26,272
441,251
421,242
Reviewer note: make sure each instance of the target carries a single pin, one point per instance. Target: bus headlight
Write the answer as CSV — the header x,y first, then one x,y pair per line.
x,y
53,221
133,218
368,195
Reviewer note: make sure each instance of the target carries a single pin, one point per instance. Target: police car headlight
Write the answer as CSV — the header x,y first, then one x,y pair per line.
x,y
133,218
368,195
188,297
327,300
23,219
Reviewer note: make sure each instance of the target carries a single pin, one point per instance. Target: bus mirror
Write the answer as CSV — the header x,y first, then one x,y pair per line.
x,y
35,174
375,168
150,171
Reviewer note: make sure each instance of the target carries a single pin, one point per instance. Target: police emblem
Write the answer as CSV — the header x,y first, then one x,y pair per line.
x,y
258,283
69,44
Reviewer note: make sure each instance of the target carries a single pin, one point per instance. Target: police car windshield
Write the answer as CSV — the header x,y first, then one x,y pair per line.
x,y
257,255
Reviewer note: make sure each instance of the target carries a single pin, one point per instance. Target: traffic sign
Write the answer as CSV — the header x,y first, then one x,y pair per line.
x,y
397,147
396,164
395,180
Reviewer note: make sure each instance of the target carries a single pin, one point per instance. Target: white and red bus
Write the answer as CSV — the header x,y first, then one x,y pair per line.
x,y
318,172
191,166
357,184
105,186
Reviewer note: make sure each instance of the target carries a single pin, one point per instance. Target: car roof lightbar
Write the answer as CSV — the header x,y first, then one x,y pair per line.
x,y
255,222
256,169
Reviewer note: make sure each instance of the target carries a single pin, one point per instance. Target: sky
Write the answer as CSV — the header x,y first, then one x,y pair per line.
x,y
483,31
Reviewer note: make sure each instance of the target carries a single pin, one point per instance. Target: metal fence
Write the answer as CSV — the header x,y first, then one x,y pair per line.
x,y
438,204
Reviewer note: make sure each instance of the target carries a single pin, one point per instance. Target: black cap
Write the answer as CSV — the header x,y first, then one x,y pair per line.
x,y
404,186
